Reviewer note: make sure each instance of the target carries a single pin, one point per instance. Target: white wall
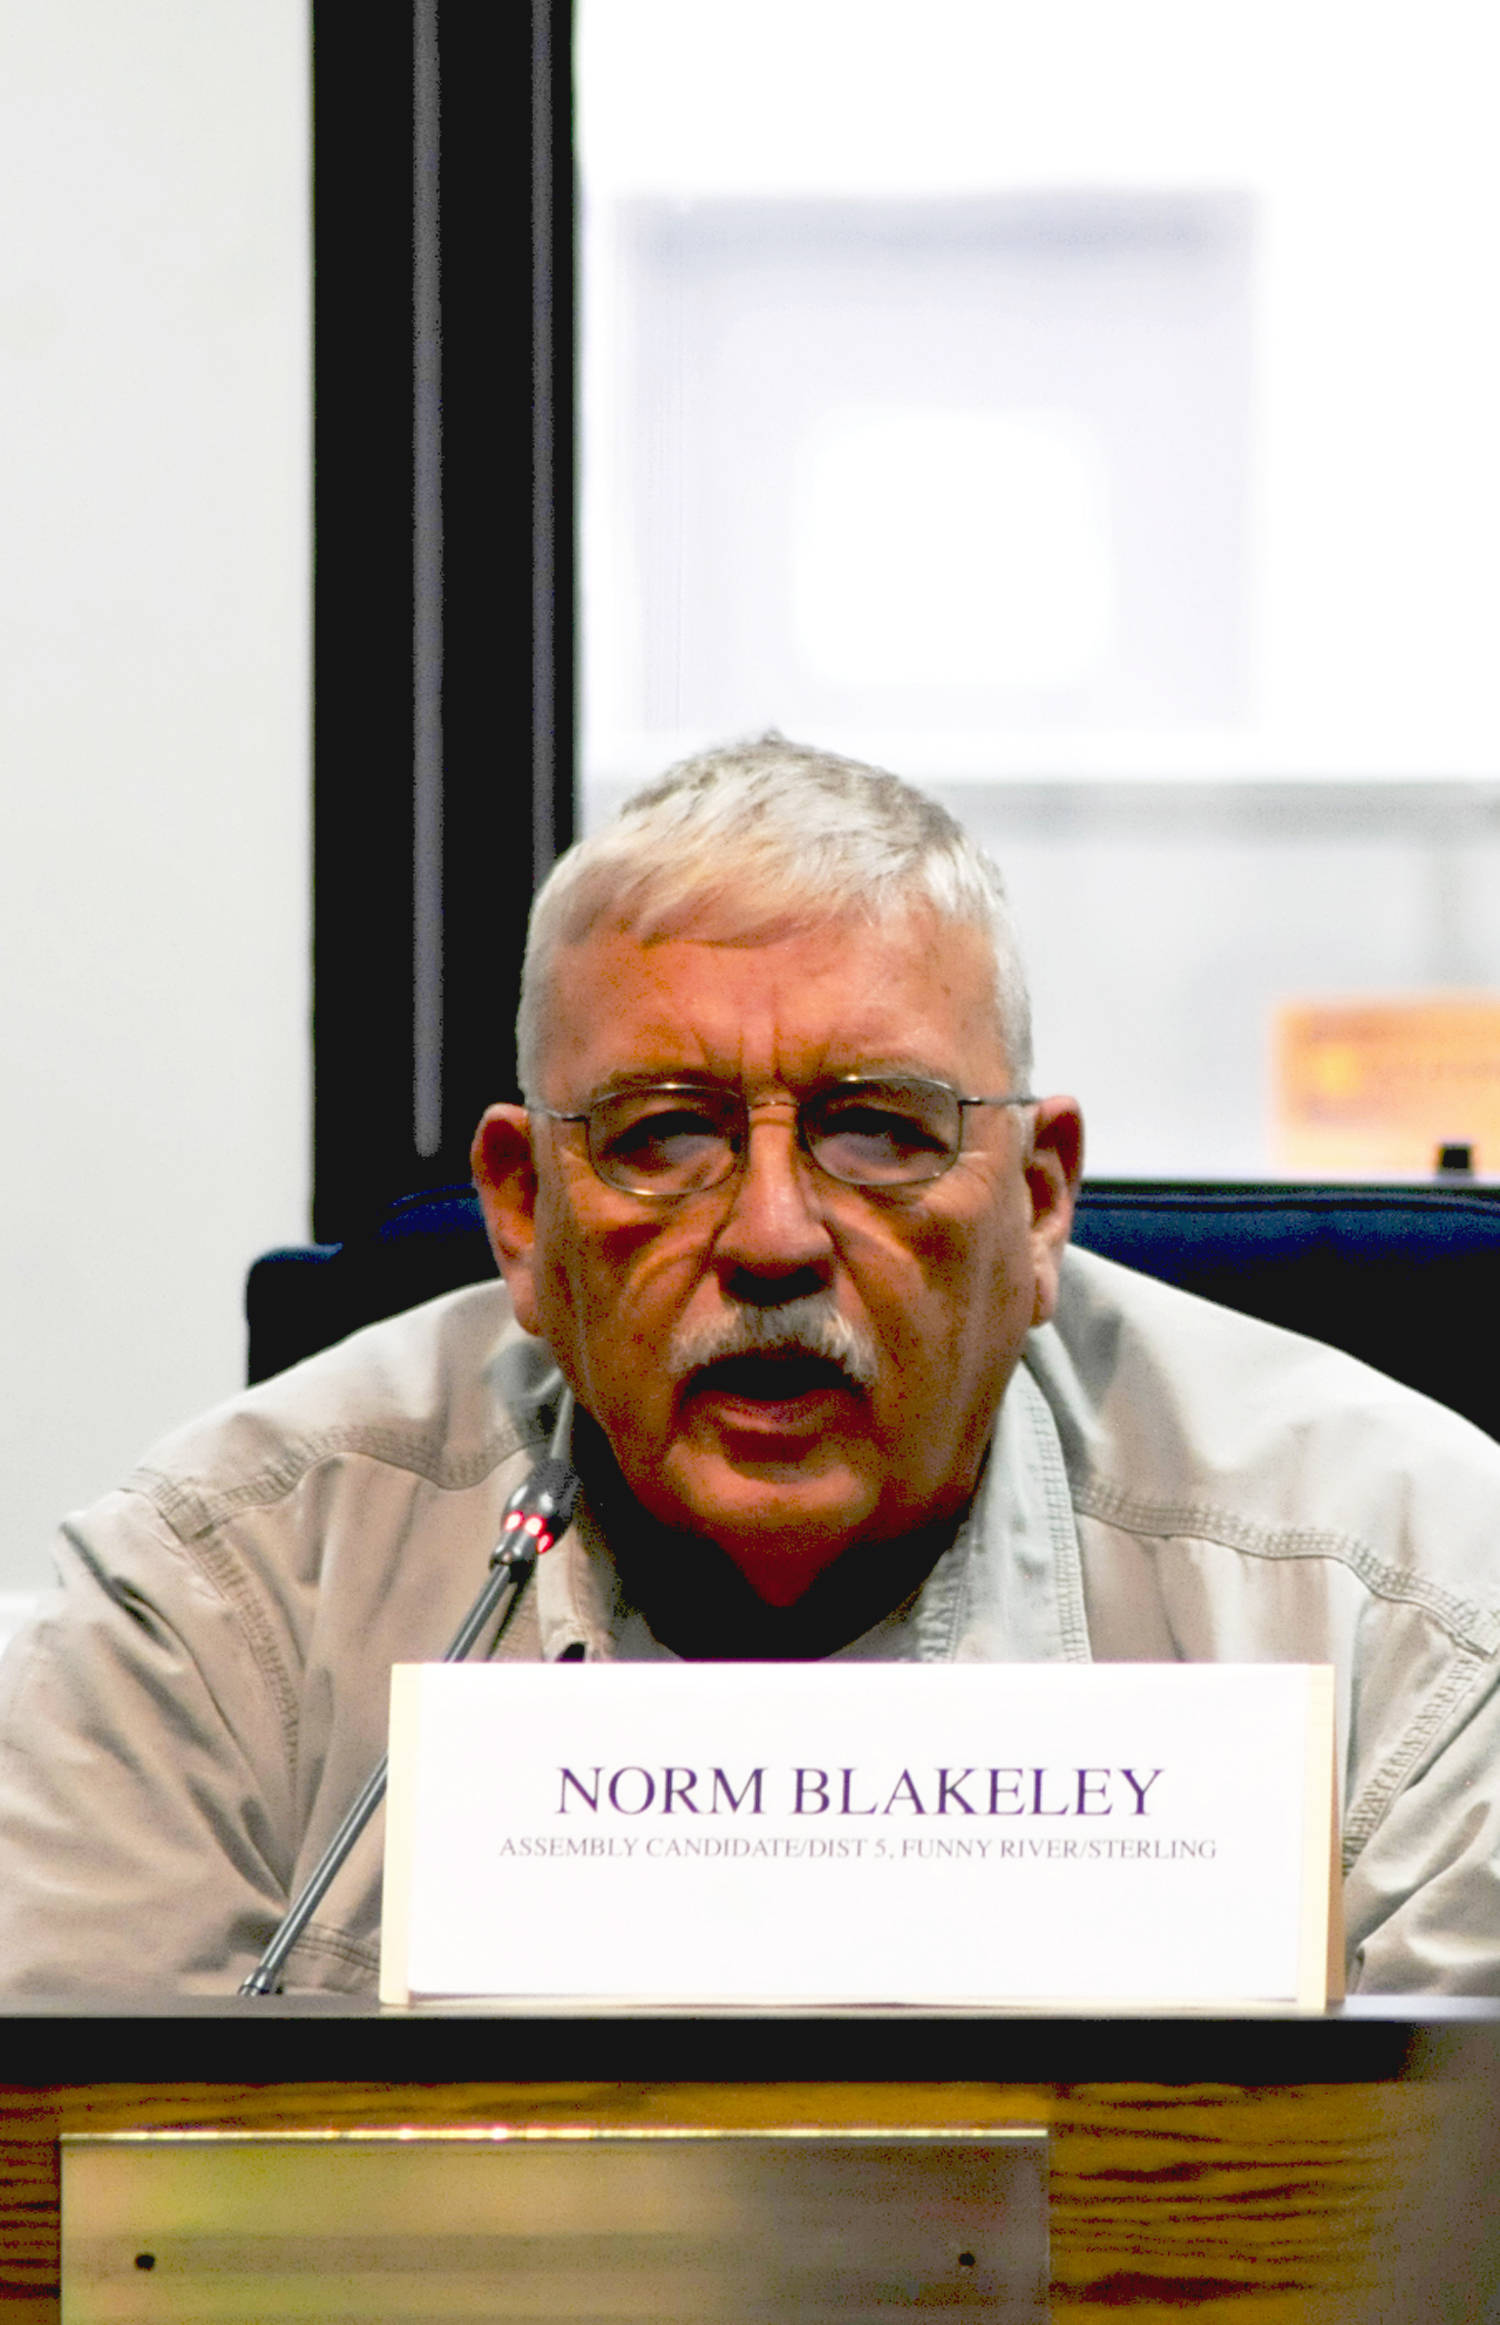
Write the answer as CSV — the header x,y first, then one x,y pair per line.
x,y
154,286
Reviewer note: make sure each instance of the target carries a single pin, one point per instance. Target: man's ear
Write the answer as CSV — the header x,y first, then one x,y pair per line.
x,y
505,1180
1052,1174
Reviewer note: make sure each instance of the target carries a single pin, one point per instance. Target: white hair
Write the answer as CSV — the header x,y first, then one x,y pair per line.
x,y
762,840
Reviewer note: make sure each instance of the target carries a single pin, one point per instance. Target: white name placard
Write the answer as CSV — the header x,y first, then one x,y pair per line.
x,y
876,1833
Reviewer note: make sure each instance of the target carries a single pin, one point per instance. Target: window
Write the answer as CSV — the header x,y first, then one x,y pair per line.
x,y
1086,412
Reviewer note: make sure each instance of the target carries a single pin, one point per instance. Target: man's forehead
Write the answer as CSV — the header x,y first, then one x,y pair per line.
x,y
722,925
888,992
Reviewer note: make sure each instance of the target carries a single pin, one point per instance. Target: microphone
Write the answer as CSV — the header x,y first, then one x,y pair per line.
x,y
536,1516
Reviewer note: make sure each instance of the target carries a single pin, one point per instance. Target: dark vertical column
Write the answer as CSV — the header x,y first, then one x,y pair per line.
x,y
428,639
443,663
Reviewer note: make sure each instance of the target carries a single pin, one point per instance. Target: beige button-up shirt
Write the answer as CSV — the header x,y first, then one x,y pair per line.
x,y
1168,1481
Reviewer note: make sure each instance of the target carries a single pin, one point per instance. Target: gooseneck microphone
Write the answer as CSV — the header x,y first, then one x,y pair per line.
x,y
536,1516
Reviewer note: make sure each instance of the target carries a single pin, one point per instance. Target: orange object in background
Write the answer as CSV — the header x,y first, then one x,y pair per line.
x,y
1376,1089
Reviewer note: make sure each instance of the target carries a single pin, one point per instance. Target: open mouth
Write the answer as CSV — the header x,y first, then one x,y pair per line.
x,y
773,1379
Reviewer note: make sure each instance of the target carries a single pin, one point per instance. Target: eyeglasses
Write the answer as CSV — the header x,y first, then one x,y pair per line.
x,y
679,1138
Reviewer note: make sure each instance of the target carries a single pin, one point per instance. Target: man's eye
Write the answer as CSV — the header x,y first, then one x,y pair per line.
x,y
661,1141
875,1137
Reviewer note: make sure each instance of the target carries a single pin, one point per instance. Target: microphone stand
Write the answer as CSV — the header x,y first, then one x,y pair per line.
x,y
536,1516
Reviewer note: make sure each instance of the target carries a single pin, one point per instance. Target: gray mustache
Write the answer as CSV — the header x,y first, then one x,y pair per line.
x,y
811,1326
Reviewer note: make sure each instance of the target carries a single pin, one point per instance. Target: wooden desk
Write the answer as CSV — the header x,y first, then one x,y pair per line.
x,y
1248,2170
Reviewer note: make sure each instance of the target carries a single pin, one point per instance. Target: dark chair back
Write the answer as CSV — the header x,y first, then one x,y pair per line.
x,y
1400,1276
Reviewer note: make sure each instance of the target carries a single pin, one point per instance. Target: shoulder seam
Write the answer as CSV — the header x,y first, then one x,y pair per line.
x,y
192,1511
1468,1624
194,1518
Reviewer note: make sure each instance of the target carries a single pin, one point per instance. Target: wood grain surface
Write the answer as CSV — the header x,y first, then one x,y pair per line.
x,y
1228,2202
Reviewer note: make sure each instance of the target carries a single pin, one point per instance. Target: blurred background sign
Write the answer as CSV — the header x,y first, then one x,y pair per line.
x,y
1388,1088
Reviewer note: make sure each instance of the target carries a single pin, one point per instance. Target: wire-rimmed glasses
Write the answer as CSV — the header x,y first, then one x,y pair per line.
x,y
666,1139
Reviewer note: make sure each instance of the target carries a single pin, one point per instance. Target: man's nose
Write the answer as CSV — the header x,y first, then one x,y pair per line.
x,y
775,1225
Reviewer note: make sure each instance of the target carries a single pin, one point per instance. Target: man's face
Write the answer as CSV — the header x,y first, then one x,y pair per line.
x,y
785,1465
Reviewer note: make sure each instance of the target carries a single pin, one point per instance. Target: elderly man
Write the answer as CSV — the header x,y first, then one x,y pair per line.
x,y
783,1213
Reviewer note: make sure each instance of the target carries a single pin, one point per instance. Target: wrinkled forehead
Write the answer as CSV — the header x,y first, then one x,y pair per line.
x,y
710,988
